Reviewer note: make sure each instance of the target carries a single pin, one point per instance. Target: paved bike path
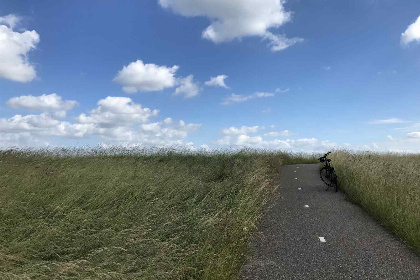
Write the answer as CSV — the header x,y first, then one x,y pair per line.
x,y
288,244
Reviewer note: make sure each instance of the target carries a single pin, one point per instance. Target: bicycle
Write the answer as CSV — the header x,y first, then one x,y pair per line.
x,y
327,173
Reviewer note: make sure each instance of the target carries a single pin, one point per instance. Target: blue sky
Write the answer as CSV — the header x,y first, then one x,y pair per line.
x,y
299,75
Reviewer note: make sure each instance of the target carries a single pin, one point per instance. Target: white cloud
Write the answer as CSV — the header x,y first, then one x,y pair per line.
x,y
116,120
278,134
138,76
407,144
279,90
236,19
205,148
35,130
10,20
414,126
239,137
410,143
412,33
280,42
39,123
413,135
218,81
47,103
235,98
237,134
258,142
14,49
241,130
25,139
388,121
245,140
166,132
238,98
117,111
187,87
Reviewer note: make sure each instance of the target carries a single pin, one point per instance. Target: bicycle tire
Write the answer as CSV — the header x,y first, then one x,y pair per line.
x,y
323,175
334,181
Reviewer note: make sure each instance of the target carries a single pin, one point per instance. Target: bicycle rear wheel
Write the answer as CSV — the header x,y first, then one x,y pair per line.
x,y
334,181
324,174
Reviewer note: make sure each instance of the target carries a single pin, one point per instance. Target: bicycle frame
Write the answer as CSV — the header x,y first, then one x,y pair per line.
x,y
329,172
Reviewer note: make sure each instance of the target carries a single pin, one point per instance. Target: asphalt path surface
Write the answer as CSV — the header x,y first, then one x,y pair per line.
x,y
290,243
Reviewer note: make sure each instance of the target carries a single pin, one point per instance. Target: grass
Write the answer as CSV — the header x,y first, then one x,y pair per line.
x,y
124,214
385,185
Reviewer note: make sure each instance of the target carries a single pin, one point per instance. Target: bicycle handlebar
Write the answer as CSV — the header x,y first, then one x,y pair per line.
x,y
322,159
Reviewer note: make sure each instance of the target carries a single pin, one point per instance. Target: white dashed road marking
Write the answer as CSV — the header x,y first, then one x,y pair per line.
x,y
322,239
294,171
299,188
295,178
306,206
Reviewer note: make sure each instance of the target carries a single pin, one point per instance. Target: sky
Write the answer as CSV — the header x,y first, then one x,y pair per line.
x,y
302,76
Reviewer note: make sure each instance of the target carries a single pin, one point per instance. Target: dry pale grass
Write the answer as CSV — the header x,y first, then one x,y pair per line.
x,y
124,214
387,186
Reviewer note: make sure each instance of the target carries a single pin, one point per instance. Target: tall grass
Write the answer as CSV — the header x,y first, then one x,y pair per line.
x,y
127,214
387,186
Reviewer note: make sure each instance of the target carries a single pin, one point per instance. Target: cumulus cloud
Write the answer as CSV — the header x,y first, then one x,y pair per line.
x,y
117,111
205,148
14,50
412,33
247,137
237,19
238,98
251,137
35,130
10,20
25,139
166,131
218,81
50,103
115,119
138,76
187,87
40,123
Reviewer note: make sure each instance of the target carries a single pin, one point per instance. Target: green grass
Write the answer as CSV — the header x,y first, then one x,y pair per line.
x,y
385,185
124,214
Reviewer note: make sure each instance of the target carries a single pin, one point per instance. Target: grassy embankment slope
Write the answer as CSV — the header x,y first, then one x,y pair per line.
x,y
131,216
385,185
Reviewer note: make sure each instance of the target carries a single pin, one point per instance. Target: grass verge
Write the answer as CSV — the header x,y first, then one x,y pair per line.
x,y
385,185
130,215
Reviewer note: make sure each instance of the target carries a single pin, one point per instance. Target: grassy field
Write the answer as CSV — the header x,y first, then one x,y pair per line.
x,y
131,215
385,185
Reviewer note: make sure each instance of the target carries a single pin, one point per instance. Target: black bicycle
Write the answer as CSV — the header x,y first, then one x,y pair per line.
x,y
327,173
